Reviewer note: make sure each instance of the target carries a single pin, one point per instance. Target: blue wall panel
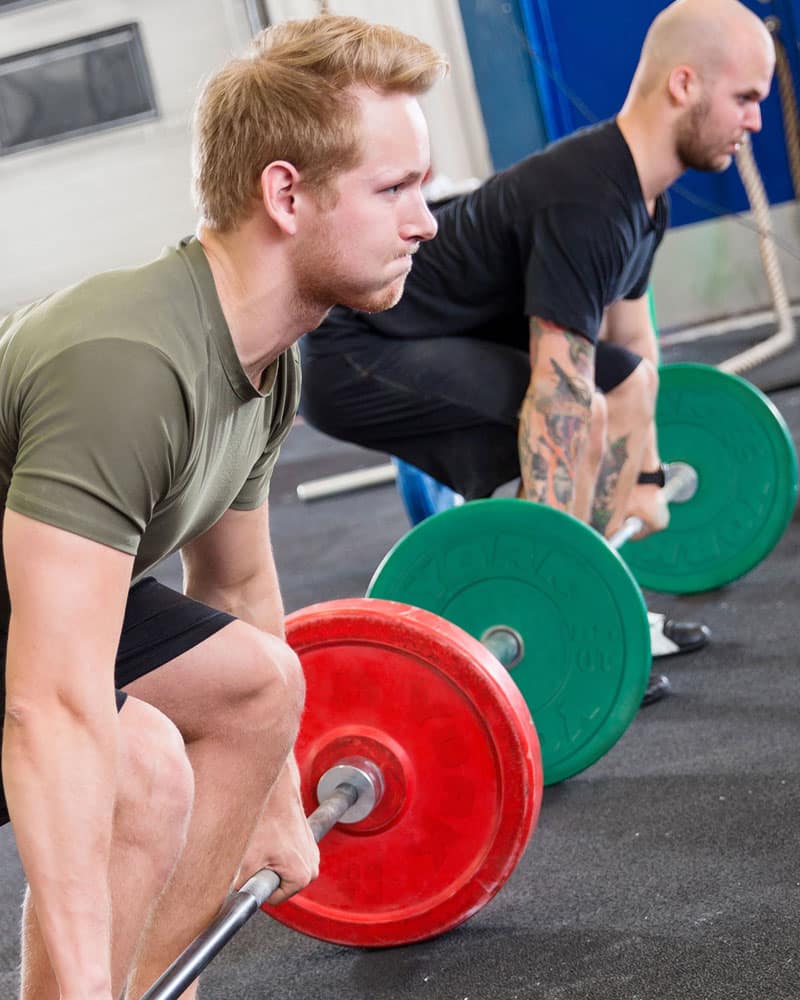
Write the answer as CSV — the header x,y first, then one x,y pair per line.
x,y
500,55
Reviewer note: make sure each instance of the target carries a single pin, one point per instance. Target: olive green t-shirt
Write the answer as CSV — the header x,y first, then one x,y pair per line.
x,y
126,416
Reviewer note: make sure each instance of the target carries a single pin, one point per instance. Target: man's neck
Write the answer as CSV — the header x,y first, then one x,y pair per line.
x,y
257,292
653,150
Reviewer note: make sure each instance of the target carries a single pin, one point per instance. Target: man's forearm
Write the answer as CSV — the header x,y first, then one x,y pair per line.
x,y
61,805
256,600
553,430
650,455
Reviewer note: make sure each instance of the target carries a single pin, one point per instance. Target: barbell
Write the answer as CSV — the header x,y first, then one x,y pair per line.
x,y
736,440
418,749
420,756
553,599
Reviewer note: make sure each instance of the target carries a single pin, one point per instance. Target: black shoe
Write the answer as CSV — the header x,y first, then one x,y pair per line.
x,y
658,687
668,637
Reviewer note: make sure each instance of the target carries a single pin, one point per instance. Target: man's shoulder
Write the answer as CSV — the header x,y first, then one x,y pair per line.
x,y
143,307
591,164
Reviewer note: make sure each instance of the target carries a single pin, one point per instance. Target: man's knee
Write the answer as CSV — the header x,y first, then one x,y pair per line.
x,y
264,681
155,788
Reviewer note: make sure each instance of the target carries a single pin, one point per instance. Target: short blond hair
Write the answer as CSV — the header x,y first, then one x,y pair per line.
x,y
289,98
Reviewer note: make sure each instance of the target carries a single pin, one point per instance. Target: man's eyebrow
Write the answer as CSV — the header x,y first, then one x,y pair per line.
x,y
387,176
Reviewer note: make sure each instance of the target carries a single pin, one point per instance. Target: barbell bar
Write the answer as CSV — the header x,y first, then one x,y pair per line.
x,y
508,646
242,904
681,485
506,643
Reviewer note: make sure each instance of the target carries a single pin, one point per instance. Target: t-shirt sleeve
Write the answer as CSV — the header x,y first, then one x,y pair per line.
x,y
573,256
102,431
286,394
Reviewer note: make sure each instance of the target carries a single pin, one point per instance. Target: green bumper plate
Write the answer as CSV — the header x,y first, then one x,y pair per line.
x,y
555,582
740,447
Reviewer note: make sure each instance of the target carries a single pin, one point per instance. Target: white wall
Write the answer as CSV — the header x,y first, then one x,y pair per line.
x,y
117,197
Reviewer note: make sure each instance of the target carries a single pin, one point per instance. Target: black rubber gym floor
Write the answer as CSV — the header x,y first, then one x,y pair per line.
x,y
670,869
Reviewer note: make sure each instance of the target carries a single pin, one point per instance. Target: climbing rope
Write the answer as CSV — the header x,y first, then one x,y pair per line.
x,y
784,336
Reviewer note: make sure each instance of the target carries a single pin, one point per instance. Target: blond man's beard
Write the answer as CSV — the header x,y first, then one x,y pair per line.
x,y
325,281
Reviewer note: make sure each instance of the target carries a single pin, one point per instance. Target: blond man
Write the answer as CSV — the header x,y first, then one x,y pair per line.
x,y
146,730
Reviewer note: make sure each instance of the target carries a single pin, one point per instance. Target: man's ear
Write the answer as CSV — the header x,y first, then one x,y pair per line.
x,y
279,184
683,85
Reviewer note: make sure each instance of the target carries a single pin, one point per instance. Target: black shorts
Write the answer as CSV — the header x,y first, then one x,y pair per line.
x,y
159,625
447,405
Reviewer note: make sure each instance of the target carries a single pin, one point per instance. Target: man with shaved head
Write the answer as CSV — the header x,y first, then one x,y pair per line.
x,y
704,69
533,296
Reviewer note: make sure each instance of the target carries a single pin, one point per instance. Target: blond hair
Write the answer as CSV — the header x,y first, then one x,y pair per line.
x,y
289,98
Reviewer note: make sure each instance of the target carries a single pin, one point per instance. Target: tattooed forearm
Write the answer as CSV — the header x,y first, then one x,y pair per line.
x,y
549,472
581,354
554,421
570,386
607,480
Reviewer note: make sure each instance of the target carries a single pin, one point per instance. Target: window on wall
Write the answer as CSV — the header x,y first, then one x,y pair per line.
x,y
6,5
75,87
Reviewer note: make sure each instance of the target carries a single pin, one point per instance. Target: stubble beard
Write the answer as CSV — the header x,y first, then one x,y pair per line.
x,y
325,282
693,149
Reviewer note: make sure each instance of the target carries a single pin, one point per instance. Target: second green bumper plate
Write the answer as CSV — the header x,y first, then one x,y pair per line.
x,y
568,595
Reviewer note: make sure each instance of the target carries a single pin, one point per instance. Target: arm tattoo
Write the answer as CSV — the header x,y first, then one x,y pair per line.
x,y
602,508
550,446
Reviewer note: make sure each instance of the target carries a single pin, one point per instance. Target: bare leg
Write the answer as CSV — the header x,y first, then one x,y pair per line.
x,y
151,816
631,407
236,699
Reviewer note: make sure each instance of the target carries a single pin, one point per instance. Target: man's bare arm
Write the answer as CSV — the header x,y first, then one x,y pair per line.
x,y
555,415
628,323
60,742
231,567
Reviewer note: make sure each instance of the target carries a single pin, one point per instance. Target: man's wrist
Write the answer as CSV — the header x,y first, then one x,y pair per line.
x,y
658,477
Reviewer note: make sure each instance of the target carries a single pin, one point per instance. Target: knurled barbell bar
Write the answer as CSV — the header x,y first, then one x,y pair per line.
x,y
422,755
355,783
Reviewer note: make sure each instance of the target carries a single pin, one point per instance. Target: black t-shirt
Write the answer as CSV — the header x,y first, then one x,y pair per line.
x,y
560,235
